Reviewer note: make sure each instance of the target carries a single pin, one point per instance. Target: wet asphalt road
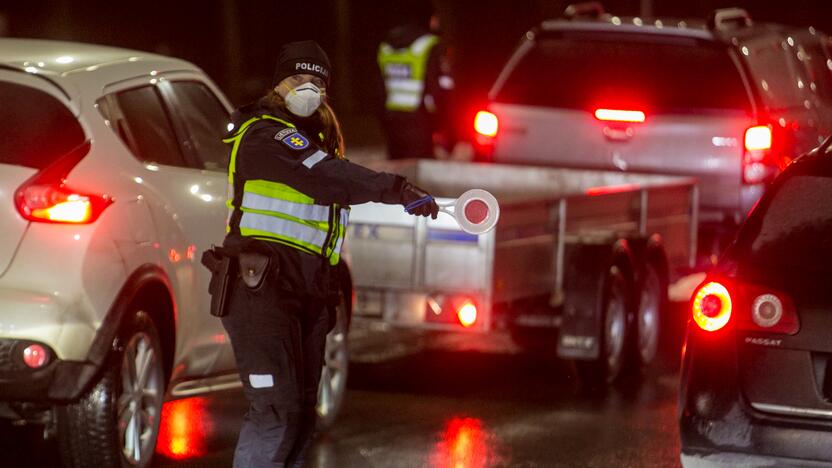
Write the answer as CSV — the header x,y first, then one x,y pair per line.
x,y
448,401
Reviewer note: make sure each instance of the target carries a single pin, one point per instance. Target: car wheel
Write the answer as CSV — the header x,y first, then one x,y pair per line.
x,y
116,423
613,334
333,383
649,316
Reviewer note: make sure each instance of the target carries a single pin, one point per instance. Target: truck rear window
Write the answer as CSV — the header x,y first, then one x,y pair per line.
x,y
658,74
37,128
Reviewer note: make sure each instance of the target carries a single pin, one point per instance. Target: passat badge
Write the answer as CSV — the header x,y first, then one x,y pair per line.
x,y
296,141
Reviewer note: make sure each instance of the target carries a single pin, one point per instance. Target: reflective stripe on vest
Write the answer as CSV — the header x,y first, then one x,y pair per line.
x,y
404,72
278,213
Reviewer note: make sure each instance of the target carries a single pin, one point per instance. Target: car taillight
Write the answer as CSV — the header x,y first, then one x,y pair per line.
x,y
712,306
59,204
749,307
620,115
770,311
486,124
758,166
46,198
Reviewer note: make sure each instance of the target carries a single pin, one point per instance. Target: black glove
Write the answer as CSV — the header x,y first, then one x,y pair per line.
x,y
418,202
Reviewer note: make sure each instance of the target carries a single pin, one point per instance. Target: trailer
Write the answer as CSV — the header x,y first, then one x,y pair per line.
x,y
586,254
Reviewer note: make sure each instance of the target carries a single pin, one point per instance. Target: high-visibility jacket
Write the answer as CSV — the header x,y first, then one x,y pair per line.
x,y
404,72
276,212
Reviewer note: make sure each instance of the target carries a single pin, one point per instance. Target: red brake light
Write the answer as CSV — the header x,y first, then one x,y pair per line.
x,y
758,166
467,314
486,123
59,204
618,115
46,198
712,306
750,307
758,138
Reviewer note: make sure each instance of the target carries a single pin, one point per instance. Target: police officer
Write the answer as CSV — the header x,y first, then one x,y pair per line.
x,y
290,191
418,86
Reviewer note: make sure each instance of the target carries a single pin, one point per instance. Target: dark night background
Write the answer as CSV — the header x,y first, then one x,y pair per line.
x,y
236,42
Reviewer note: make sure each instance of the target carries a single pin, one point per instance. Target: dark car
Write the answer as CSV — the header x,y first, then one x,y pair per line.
x,y
756,383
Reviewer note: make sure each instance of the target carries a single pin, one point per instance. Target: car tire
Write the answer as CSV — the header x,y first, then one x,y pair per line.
x,y
333,383
101,429
614,333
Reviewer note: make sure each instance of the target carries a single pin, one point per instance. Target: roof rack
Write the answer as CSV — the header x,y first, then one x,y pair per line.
x,y
726,19
585,10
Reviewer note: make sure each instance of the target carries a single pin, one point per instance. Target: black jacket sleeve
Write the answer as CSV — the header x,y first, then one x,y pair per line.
x,y
439,84
265,154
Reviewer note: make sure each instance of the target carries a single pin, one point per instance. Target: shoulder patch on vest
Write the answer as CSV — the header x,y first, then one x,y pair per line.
x,y
284,133
295,141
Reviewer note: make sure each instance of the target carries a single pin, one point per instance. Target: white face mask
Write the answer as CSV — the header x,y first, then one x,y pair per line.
x,y
304,100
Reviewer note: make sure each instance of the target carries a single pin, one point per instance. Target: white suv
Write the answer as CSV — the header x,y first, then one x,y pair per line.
x,y
112,183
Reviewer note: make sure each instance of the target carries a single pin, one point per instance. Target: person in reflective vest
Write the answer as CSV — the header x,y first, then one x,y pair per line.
x,y
418,86
290,189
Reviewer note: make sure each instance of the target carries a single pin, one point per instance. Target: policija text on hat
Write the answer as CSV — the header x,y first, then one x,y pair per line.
x,y
275,280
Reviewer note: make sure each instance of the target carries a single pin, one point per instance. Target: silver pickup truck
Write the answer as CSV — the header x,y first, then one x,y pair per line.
x,y
728,101
588,253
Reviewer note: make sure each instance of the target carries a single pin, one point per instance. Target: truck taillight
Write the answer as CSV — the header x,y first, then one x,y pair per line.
x,y
711,306
620,115
758,138
486,124
45,197
758,166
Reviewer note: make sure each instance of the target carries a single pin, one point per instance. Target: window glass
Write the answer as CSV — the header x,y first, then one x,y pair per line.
x,y
206,121
774,69
817,64
796,228
153,137
580,70
37,128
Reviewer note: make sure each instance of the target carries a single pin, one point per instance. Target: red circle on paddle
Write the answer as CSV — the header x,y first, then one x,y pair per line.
x,y
476,211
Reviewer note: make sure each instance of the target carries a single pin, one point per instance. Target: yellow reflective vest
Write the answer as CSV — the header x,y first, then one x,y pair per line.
x,y
404,72
276,212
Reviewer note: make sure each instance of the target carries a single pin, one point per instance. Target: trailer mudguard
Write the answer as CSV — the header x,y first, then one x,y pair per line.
x,y
586,266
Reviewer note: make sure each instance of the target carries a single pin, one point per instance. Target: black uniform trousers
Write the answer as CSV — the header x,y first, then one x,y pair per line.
x,y
279,340
408,134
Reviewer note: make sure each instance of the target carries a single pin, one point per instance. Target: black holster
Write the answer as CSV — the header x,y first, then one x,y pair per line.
x,y
223,268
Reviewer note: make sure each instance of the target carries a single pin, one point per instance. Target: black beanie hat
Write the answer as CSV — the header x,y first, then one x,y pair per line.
x,y
301,58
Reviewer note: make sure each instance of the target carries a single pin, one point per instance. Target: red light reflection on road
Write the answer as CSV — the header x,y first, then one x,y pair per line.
x,y
464,444
185,426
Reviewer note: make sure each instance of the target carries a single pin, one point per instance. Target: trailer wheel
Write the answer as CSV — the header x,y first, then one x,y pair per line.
x,y
333,383
614,334
651,302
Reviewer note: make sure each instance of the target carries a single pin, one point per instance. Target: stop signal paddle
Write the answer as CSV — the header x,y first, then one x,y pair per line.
x,y
476,211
